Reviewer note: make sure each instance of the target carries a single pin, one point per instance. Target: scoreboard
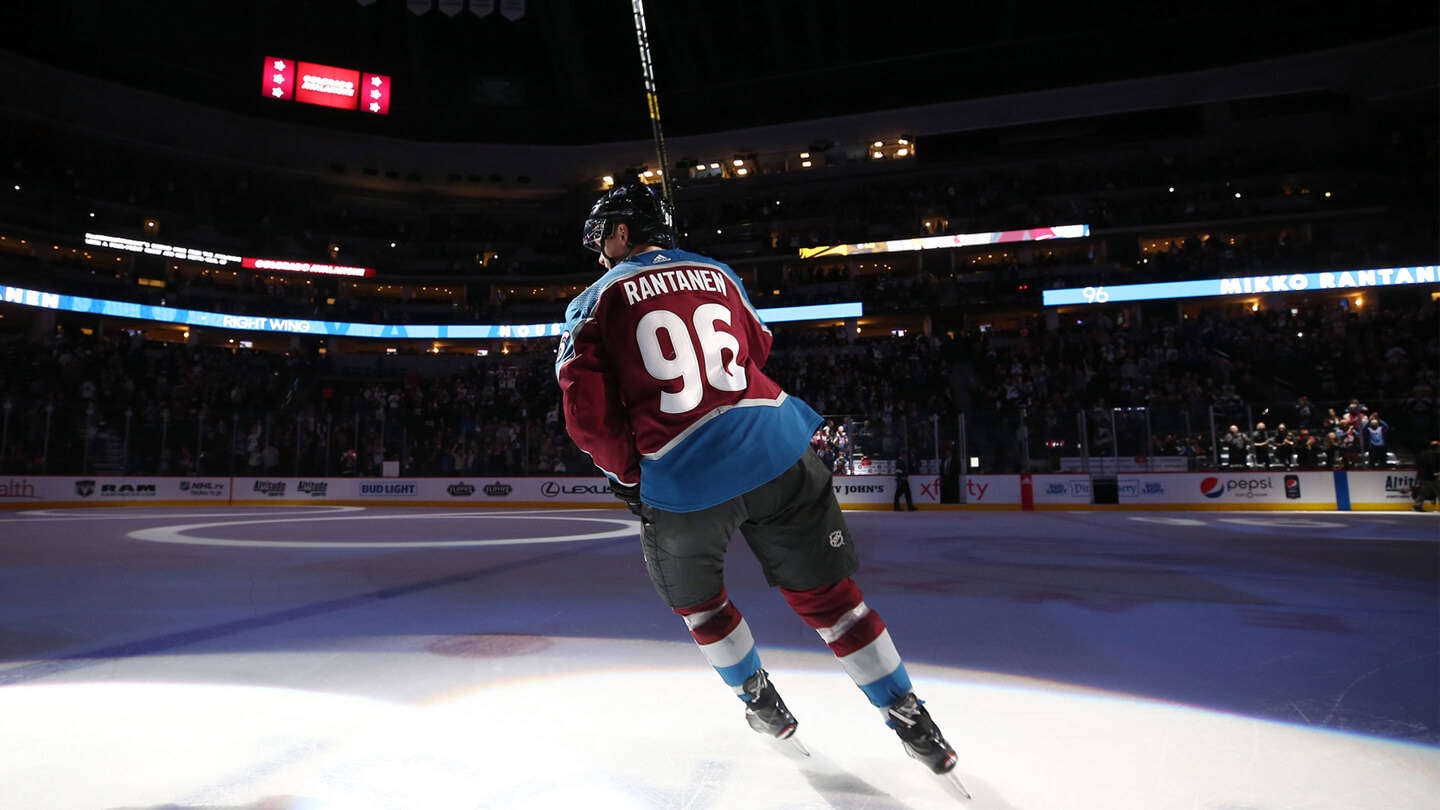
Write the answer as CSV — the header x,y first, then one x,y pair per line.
x,y
325,85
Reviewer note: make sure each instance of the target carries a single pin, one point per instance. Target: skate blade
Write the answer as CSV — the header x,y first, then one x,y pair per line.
x,y
954,779
799,746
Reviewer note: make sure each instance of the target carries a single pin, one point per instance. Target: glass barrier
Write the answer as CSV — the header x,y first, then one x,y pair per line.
x,y
99,437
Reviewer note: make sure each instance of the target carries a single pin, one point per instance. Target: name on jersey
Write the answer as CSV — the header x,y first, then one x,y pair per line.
x,y
669,281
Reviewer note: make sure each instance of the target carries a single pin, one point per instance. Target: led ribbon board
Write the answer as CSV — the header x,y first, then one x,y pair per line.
x,y
953,240
1247,285
258,323
157,249
325,85
222,259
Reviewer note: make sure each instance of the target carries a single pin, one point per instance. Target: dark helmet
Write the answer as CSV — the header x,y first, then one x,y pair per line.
x,y
650,217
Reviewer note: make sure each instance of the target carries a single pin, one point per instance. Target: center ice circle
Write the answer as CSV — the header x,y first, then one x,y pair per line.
x,y
182,534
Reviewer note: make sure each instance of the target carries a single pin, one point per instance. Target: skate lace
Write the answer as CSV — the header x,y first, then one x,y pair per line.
x,y
907,711
757,684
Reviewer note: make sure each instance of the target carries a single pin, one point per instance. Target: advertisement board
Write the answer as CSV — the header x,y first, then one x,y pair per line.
x,y
455,491
100,490
998,491
261,490
290,266
325,85
1277,490
1053,491
1245,285
952,240
1381,489
21,296
1322,490
1266,490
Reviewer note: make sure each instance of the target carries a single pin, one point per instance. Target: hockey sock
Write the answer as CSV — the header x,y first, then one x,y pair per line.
x,y
724,638
857,636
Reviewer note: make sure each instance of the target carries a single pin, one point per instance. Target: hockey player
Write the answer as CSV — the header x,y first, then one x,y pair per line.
x,y
660,368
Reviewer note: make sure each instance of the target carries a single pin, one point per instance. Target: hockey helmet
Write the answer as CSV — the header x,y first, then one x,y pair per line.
x,y
650,217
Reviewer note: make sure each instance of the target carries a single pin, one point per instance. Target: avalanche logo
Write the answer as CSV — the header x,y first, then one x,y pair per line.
x,y
1211,487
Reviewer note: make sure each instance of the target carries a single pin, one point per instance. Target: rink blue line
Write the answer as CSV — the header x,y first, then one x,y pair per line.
x,y
184,638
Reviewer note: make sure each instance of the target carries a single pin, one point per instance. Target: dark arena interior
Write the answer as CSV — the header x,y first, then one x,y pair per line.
x,y
1121,323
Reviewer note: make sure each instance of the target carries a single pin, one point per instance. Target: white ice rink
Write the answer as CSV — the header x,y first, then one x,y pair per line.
x,y
374,676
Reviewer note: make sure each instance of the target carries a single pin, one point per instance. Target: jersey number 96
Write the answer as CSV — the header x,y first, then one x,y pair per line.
x,y
687,365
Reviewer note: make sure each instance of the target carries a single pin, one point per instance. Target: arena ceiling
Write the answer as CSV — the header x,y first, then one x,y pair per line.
x,y
568,71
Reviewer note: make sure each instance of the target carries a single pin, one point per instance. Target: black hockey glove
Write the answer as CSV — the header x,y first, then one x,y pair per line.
x,y
629,493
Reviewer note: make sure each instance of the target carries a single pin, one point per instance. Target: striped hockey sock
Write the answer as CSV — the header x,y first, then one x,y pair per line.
x,y
857,636
724,638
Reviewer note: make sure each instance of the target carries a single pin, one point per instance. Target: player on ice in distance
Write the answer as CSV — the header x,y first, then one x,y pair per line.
x,y
660,370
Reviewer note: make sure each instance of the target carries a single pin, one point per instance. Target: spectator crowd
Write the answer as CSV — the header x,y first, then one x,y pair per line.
x,y
1019,399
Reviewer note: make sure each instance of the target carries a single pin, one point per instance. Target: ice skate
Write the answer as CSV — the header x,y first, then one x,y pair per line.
x,y
922,738
766,712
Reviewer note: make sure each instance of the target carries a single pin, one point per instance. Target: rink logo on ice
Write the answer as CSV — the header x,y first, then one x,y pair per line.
x,y
16,489
499,489
461,490
553,489
315,489
270,489
390,489
1213,487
